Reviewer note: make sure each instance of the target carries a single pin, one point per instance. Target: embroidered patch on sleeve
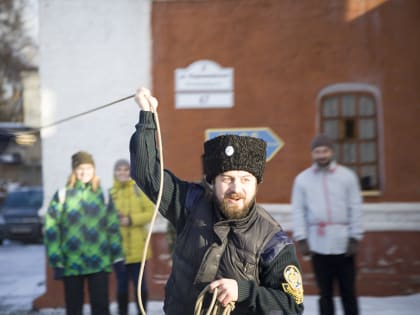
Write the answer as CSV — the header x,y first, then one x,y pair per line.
x,y
294,285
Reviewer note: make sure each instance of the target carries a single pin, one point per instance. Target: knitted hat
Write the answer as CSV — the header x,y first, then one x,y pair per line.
x,y
232,152
121,162
321,141
81,157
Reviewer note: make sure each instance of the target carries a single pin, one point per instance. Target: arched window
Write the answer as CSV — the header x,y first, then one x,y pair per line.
x,y
349,115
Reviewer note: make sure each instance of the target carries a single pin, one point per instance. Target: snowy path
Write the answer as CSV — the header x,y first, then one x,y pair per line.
x,y
22,279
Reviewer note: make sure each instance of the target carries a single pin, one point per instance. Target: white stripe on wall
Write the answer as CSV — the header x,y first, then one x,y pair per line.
x,y
386,216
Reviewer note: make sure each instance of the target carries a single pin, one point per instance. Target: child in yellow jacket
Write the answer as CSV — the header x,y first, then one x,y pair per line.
x,y
135,212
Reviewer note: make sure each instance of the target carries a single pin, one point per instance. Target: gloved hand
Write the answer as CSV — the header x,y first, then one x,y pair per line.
x,y
58,273
303,247
352,247
119,266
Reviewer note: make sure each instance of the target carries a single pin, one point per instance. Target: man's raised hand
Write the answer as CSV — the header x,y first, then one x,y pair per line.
x,y
145,100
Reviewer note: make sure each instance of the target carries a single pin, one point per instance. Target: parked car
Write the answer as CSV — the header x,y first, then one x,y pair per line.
x,y
20,212
2,229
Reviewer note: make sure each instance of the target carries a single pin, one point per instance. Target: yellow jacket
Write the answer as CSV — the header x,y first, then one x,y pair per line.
x,y
130,201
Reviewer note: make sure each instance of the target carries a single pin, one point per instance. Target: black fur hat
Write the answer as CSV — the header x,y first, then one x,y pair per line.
x,y
232,152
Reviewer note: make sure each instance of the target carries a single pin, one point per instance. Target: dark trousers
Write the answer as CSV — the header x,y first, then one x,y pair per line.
x,y
131,272
340,268
98,293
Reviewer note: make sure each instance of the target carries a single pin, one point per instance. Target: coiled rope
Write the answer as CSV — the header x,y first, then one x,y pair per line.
x,y
215,307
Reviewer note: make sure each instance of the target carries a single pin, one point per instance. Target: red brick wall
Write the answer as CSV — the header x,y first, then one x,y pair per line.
x,y
283,53
387,265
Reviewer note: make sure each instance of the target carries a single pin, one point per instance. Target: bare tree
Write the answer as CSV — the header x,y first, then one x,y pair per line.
x,y
13,42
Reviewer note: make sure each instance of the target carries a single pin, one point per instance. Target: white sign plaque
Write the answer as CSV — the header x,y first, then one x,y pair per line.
x,y
204,84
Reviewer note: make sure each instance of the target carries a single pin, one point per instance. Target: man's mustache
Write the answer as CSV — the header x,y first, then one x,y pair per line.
x,y
234,195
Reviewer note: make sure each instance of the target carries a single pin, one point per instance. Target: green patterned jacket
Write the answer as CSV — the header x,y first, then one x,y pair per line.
x,y
81,234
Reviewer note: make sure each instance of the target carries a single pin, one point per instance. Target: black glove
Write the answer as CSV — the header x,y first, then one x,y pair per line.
x,y
119,266
352,247
58,273
303,247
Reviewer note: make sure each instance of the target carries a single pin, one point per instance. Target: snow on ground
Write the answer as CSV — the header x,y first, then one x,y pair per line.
x,y
22,279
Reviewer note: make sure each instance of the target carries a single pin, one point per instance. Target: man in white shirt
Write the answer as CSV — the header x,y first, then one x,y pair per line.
x,y
327,224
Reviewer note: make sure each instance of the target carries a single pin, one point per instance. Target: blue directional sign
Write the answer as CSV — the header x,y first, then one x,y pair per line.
x,y
274,142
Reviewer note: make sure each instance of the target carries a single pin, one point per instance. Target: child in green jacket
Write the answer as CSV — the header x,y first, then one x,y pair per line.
x,y
83,238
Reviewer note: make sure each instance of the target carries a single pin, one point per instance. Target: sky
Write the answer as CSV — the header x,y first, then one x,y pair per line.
x,y
22,279
31,27
31,18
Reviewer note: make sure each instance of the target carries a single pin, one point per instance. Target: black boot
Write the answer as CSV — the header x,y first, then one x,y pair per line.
x,y
122,300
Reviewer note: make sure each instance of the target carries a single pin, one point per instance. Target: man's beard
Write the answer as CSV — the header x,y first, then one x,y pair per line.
x,y
323,163
233,211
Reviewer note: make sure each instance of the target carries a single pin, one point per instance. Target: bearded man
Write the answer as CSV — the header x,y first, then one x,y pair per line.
x,y
327,224
223,238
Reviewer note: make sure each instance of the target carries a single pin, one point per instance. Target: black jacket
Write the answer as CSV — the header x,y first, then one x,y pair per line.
x,y
254,250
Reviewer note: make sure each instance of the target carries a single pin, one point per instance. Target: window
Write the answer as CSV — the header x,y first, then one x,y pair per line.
x,y
350,119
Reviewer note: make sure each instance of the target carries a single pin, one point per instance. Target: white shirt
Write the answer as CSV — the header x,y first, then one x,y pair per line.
x,y
326,208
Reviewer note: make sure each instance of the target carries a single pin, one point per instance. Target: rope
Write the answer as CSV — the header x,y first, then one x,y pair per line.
x,y
152,222
37,129
215,307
